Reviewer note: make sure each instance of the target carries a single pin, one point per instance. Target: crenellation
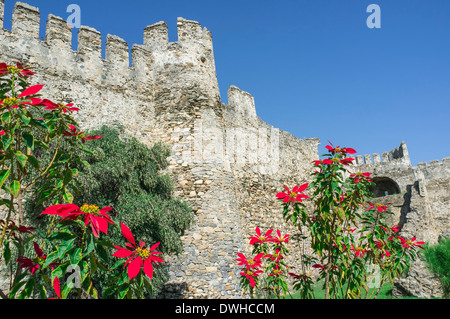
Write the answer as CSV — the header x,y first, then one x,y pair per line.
x,y
434,163
156,36
116,52
90,42
242,102
359,160
2,12
422,165
141,62
385,157
446,161
26,20
367,159
189,32
376,158
58,32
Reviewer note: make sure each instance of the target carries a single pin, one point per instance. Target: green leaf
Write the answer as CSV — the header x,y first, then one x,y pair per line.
x,y
39,124
16,288
7,253
6,117
90,246
41,144
29,140
6,142
75,256
102,253
34,162
68,197
15,188
25,119
22,158
64,247
42,292
3,176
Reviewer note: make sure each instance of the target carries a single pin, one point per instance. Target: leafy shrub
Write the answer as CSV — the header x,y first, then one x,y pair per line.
x,y
437,258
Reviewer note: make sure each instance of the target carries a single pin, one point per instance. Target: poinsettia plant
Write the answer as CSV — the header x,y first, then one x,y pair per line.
x,y
267,264
75,245
349,235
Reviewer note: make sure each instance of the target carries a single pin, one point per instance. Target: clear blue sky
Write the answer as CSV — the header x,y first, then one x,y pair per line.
x,y
314,67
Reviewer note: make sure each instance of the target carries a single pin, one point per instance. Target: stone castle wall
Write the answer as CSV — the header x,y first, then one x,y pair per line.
x,y
226,162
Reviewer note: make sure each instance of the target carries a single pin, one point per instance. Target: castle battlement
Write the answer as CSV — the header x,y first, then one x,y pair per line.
x,y
193,52
397,155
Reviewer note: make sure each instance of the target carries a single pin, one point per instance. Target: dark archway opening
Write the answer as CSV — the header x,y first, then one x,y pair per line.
x,y
384,187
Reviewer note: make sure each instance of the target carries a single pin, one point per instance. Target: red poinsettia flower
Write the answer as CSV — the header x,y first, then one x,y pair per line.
x,y
294,195
342,150
251,275
64,107
359,251
33,264
74,133
24,99
276,256
359,176
138,256
279,239
250,262
381,246
259,238
19,70
326,161
379,207
411,243
57,288
276,272
92,214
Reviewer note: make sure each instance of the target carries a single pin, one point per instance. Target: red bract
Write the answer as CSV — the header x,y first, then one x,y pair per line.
x,y
359,251
33,264
293,196
276,256
276,272
57,288
92,214
64,107
137,256
384,252
252,262
279,239
74,133
12,228
379,207
260,239
343,150
24,99
251,275
19,70
318,266
359,176
411,243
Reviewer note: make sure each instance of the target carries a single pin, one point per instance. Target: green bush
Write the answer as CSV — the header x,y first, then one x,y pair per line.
x,y
437,258
126,175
